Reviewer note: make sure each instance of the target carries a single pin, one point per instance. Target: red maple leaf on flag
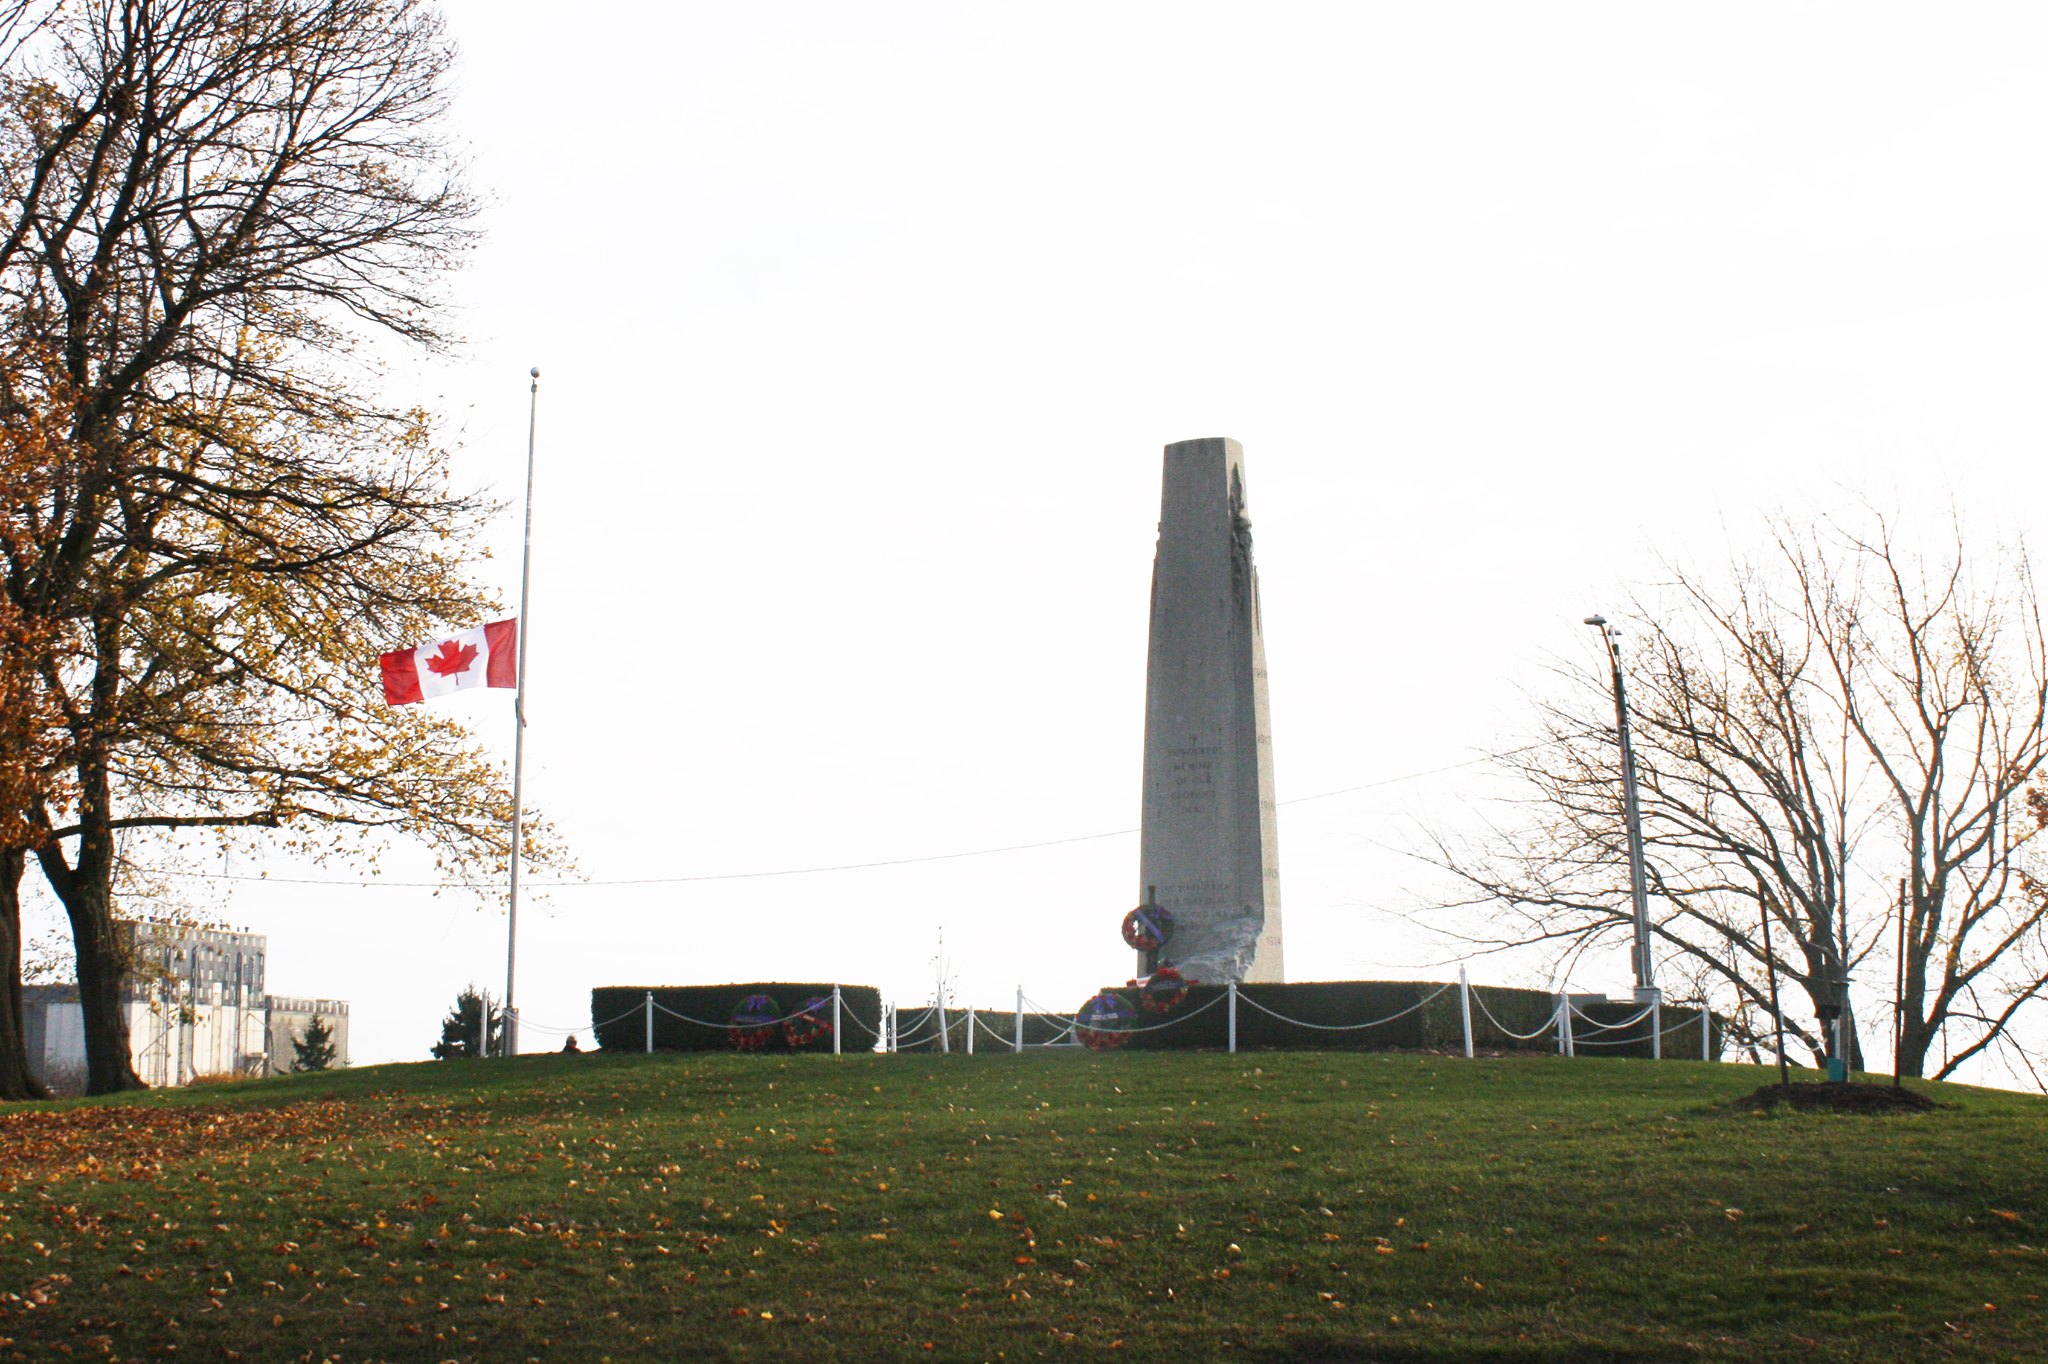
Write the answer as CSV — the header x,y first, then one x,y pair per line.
x,y
453,659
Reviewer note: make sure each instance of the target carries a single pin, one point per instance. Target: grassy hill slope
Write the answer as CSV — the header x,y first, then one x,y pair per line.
x,y
1271,1207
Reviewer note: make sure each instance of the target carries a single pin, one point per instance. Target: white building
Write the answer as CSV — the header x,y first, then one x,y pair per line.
x,y
196,1006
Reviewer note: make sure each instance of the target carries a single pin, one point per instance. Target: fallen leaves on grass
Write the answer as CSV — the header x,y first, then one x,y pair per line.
x,y
41,1148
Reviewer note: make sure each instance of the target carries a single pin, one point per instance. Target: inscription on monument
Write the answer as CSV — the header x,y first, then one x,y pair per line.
x,y
1193,790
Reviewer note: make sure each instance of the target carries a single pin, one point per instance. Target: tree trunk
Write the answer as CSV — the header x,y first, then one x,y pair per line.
x,y
86,889
17,1080
1916,1032
1914,1042
109,1066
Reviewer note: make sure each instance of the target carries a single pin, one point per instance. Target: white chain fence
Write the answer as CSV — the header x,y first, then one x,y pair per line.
x,y
935,1026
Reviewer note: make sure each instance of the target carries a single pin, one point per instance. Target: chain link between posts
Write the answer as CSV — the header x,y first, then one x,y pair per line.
x,y
908,1029
1579,1040
764,1023
528,1025
847,1014
1422,1003
1662,1030
1548,1023
1591,1026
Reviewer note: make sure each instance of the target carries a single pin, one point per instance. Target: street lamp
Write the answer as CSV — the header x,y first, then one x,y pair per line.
x,y
1646,988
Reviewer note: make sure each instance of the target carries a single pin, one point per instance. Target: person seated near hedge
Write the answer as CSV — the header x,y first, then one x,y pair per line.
x,y
570,1048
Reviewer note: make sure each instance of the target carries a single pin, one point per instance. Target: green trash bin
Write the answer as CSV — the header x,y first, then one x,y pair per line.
x,y
1838,1070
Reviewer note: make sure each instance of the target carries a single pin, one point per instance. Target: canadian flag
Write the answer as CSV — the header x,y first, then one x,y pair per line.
x,y
487,656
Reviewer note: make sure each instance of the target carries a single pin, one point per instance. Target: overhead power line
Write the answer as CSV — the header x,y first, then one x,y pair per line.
x,y
811,871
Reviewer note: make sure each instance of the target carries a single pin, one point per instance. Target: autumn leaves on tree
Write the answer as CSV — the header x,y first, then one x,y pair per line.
x,y
216,522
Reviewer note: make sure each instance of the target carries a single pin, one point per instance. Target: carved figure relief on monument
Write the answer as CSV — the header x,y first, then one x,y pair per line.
x,y
1209,842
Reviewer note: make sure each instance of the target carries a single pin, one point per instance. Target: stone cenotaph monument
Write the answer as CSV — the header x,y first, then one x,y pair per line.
x,y
1209,850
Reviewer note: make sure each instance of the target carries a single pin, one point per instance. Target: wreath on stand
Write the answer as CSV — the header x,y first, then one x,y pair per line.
x,y
812,1023
1147,927
1100,1025
1163,990
752,1025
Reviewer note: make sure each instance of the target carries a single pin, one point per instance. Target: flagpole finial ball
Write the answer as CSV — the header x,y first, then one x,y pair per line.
x,y
534,372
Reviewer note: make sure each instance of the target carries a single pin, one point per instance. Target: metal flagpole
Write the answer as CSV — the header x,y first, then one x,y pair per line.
x,y
1632,818
519,714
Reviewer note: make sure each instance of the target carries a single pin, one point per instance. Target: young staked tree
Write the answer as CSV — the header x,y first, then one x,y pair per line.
x,y
1837,719
210,205
315,1050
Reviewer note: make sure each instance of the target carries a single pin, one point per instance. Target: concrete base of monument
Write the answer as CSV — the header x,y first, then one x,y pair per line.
x,y
1214,947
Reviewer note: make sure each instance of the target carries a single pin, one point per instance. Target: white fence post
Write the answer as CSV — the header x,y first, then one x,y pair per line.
x,y
1706,1031
835,1020
650,1022
1559,1017
1657,1028
970,1030
945,1043
1465,1009
1571,1041
1017,1046
892,1027
1233,1017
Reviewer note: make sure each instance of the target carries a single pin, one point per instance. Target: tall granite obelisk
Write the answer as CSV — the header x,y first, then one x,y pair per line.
x,y
1209,850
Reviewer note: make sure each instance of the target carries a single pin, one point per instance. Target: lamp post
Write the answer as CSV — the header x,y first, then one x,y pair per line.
x,y
1646,987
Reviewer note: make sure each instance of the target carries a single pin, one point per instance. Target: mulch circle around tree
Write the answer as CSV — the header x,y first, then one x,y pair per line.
x,y
1833,1098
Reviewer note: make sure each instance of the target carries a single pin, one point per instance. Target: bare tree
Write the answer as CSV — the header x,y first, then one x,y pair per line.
x,y
1840,719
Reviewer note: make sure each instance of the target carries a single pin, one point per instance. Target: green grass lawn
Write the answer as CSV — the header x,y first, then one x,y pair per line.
x,y
1266,1207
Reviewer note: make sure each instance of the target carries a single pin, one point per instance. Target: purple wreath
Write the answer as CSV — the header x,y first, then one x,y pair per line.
x,y
1102,1020
753,1021
812,1023
1163,991
1147,927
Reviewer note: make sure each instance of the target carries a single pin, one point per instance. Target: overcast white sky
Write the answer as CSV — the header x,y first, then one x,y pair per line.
x,y
862,328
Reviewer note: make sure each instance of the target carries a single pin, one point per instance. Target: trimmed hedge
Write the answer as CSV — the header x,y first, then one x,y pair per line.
x,y
1314,1016
1403,1016
1323,1008
619,1015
